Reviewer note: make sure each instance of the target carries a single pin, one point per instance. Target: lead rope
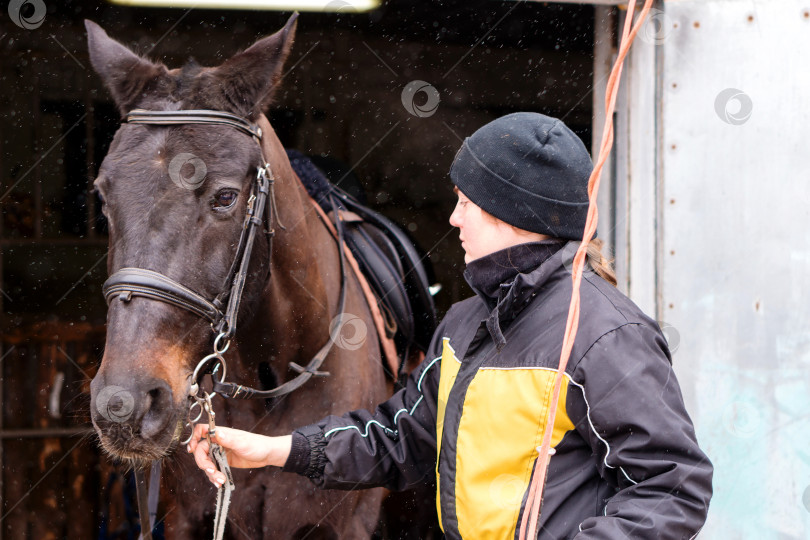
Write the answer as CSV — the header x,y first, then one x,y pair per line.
x,y
218,456
535,496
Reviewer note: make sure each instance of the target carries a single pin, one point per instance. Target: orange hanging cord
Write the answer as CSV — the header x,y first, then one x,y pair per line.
x,y
532,511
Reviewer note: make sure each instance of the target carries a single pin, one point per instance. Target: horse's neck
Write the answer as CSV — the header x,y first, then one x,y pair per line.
x,y
299,302
301,294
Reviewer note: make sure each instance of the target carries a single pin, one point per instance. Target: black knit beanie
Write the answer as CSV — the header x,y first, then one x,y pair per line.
x,y
528,170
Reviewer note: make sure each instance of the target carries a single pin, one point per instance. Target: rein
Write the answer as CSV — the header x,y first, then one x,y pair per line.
x,y
222,310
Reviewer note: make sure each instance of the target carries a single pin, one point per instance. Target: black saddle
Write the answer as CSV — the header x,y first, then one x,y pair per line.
x,y
391,262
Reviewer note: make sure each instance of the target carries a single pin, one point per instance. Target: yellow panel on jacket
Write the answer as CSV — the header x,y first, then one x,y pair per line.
x,y
502,424
447,377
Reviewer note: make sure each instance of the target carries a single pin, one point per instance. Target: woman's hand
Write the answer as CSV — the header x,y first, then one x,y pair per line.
x,y
244,450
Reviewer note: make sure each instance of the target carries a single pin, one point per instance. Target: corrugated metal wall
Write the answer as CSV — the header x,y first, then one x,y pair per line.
x,y
712,219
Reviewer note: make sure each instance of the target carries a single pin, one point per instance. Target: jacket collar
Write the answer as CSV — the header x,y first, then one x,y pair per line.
x,y
507,280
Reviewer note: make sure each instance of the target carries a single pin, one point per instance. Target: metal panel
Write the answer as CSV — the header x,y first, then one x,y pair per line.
x,y
736,251
635,198
642,181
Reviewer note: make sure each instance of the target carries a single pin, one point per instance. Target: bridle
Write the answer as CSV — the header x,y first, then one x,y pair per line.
x,y
221,311
128,282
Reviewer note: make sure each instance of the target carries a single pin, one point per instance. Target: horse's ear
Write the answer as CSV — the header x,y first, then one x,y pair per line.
x,y
249,78
129,77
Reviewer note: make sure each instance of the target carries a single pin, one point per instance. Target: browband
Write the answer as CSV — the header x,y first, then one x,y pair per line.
x,y
192,116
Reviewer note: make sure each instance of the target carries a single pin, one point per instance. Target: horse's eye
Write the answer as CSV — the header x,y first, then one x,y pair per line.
x,y
224,199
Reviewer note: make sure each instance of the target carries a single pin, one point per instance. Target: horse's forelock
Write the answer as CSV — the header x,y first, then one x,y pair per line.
x,y
187,82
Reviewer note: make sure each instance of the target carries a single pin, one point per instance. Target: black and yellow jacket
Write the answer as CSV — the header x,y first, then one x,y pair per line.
x,y
627,464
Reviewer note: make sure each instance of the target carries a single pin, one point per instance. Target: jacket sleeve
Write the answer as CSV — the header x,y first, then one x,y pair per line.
x,y
395,447
636,423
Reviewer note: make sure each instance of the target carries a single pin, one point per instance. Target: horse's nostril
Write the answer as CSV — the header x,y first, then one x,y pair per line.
x,y
157,409
154,395
158,395
125,409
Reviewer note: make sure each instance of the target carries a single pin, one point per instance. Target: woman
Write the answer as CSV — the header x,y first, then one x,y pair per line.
x,y
626,460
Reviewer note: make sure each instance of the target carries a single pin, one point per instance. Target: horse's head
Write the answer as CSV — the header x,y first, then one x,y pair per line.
x,y
175,198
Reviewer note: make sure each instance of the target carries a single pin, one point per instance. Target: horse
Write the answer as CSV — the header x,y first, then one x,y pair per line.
x,y
176,221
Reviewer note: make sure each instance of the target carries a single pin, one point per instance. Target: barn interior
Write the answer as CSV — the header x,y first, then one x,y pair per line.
x,y
340,100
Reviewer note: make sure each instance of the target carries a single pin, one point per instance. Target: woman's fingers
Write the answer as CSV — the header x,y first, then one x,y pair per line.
x,y
201,457
222,438
205,463
200,447
200,431
243,449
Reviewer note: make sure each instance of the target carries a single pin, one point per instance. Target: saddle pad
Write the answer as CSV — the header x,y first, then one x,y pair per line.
x,y
387,257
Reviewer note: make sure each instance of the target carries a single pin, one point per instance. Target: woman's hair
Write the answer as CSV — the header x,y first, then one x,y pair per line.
x,y
594,256
599,263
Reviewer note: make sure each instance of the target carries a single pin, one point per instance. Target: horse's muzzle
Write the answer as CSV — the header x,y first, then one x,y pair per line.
x,y
132,413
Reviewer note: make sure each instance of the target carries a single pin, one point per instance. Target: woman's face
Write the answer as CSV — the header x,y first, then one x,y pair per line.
x,y
482,234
